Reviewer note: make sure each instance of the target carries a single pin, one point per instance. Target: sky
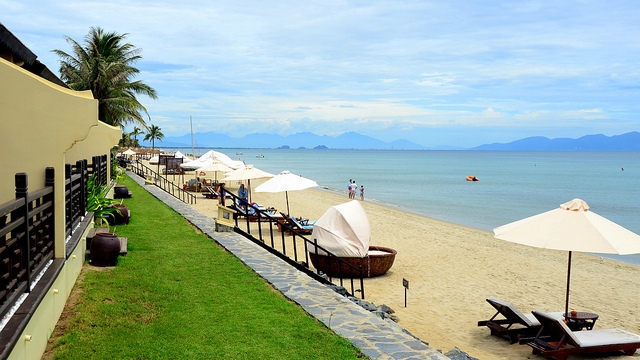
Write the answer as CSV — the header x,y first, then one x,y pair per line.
x,y
438,73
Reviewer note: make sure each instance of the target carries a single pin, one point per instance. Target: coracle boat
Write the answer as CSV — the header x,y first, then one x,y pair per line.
x,y
343,232
377,262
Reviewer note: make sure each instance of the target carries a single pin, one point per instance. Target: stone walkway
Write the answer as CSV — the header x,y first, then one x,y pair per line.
x,y
375,337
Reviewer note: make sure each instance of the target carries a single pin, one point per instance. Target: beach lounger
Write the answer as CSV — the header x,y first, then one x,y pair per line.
x,y
255,211
562,342
509,323
210,193
300,228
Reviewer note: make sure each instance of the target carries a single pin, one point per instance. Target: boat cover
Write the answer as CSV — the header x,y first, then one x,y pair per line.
x,y
343,230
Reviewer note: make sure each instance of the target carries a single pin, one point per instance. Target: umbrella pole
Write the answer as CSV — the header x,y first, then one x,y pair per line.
x,y
287,195
566,306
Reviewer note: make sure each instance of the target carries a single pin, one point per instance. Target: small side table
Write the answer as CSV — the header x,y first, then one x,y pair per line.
x,y
581,320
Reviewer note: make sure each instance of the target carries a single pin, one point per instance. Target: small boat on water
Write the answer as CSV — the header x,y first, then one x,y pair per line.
x,y
472,178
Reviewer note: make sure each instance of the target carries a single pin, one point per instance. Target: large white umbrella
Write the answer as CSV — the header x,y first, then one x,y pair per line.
x,y
571,227
209,157
286,181
184,157
213,167
247,173
129,152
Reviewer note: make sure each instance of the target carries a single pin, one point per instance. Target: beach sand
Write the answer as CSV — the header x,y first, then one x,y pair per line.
x,y
452,269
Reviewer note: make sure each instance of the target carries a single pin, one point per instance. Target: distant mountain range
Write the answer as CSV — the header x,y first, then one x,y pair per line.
x,y
625,142
352,140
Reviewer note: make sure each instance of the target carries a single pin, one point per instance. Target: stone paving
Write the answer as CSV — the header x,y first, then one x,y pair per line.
x,y
375,337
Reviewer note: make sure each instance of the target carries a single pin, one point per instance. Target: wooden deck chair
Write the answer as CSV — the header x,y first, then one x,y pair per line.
x,y
296,226
210,193
562,342
509,323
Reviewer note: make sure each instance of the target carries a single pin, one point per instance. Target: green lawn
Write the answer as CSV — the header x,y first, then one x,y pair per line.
x,y
179,295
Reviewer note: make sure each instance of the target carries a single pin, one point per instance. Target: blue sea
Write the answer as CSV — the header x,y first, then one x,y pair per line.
x,y
513,184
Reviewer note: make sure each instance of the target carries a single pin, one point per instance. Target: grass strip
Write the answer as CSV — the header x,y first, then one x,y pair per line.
x,y
178,295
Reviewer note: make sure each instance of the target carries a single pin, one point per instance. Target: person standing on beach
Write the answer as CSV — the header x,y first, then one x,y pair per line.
x,y
354,188
362,192
349,188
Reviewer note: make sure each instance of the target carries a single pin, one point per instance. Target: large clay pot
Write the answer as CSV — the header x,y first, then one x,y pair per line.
x,y
119,217
104,250
120,192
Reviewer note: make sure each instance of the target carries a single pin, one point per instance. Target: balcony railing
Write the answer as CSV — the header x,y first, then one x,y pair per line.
x,y
26,238
273,235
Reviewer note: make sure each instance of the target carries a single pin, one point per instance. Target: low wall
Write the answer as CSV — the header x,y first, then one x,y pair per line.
x,y
34,321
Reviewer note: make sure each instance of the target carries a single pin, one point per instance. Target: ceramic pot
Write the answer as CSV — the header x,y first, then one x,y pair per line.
x,y
104,249
121,217
120,192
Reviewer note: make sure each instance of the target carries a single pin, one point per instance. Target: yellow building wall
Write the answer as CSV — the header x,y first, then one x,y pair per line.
x,y
39,123
99,141
45,125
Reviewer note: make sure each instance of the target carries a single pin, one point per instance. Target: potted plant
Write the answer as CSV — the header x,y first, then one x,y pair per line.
x,y
120,191
105,246
98,203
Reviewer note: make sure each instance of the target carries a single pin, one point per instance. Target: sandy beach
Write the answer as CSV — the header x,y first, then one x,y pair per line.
x,y
452,269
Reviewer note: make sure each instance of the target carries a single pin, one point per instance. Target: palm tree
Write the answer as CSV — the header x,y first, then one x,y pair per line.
x,y
153,134
125,140
104,66
136,131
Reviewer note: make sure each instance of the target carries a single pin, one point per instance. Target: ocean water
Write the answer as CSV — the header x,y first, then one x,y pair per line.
x,y
513,184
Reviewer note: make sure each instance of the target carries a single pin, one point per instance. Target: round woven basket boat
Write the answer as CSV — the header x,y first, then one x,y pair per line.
x,y
376,263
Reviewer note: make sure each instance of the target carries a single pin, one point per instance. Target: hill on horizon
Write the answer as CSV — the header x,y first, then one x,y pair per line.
x,y
307,140
352,140
624,142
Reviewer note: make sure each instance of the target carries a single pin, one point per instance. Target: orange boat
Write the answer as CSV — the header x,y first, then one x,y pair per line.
x,y
472,178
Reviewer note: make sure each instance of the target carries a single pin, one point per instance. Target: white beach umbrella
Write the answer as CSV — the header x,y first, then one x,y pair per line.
x,y
286,181
571,227
129,152
213,167
179,155
247,173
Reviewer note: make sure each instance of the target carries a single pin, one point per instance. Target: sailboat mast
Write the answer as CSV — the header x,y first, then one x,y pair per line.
x,y
193,153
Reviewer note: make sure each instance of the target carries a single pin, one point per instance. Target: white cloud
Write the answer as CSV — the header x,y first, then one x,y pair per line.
x,y
491,114
585,114
397,69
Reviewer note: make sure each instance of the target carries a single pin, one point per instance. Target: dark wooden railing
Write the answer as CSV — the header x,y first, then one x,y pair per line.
x,y
28,264
271,236
99,166
75,195
162,182
26,238
75,185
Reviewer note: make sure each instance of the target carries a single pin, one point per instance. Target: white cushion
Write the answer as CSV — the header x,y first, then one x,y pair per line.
x,y
604,337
